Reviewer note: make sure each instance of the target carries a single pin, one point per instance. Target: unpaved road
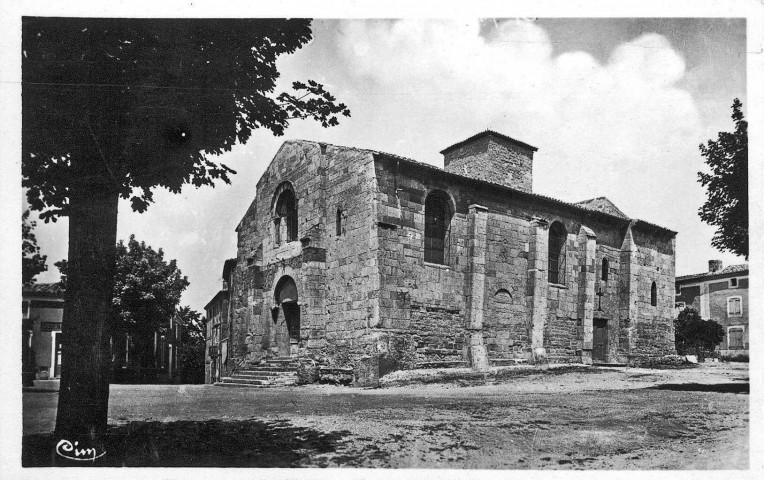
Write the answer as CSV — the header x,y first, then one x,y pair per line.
x,y
596,418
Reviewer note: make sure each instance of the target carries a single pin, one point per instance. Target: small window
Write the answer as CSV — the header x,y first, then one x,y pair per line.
x,y
437,227
341,215
557,238
733,282
678,289
735,306
605,269
654,295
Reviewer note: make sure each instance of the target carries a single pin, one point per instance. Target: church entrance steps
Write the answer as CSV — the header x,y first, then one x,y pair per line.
x,y
603,364
273,372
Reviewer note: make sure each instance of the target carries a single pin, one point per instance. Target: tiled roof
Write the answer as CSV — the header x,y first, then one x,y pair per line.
x,y
487,133
726,271
602,204
440,170
52,290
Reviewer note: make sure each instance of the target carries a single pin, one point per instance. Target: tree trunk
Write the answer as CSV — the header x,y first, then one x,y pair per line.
x,y
83,398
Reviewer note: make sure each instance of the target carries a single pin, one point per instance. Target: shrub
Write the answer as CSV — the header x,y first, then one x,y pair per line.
x,y
695,336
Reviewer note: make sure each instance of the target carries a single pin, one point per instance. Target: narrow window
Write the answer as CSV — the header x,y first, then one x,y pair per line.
x,y
437,223
734,306
654,295
340,222
733,282
285,218
605,269
557,237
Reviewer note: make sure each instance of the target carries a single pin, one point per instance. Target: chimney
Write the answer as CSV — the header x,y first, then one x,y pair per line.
x,y
492,157
714,266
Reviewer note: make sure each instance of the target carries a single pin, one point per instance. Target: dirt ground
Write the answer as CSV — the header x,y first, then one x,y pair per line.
x,y
581,418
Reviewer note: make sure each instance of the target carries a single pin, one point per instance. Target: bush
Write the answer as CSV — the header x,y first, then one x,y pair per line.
x,y
740,357
695,336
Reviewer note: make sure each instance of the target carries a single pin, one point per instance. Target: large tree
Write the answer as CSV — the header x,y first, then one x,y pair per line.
x,y
32,262
727,204
117,107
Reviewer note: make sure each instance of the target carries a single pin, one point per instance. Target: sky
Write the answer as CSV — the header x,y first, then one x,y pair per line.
x,y
616,108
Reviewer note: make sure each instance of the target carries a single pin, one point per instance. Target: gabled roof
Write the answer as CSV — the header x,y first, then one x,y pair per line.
x,y
730,271
48,290
617,215
602,204
489,133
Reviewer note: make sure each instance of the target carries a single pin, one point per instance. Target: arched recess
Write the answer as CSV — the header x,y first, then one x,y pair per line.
x,y
654,295
437,227
285,297
284,213
558,236
605,269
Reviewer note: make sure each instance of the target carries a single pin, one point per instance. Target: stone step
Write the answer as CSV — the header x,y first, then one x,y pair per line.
x,y
249,385
503,362
255,381
267,371
264,375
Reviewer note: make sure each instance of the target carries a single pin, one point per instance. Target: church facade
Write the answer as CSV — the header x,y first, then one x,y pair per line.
x,y
353,258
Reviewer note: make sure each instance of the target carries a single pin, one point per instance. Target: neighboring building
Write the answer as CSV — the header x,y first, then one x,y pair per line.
x,y
218,328
721,294
42,307
357,258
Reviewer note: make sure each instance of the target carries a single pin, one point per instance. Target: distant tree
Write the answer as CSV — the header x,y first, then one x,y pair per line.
x,y
32,263
695,336
192,345
727,204
147,291
117,107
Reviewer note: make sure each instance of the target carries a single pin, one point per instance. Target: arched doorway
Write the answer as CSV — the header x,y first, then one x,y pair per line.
x,y
287,317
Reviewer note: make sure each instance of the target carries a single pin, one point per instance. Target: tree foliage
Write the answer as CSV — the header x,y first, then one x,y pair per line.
x,y
727,186
695,336
147,291
32,263
131,104
192,345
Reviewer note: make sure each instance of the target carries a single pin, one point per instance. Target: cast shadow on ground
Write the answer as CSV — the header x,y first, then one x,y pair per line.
x,y
702,387
211,443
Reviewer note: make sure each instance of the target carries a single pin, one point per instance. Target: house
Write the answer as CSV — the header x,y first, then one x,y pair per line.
x,y
350,257
218,328
42,311
721,294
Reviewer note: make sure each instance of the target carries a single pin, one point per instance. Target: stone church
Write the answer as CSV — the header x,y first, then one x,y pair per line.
x,y
354,258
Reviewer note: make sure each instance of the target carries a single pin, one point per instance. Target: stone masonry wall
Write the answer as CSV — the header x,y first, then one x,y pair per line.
x,y
495,160
333,273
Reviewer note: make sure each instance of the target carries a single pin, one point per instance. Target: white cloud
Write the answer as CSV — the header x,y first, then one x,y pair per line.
x,y
595,124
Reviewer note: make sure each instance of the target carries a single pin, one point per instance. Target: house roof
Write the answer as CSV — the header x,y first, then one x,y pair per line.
x,y
218,296
489,133
602,204
730,271
48,290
